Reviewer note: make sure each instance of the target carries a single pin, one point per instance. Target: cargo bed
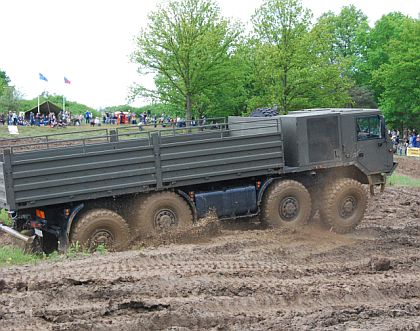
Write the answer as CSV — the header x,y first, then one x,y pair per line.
x,y
122,162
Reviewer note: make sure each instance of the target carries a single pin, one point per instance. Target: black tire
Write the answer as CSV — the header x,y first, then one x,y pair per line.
x,y
286,203
101,226
264,112
344,206
160,212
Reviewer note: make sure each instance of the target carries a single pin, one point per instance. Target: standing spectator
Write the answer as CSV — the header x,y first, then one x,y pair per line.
x,y
31,119
2,118
14,118
87,116
413,138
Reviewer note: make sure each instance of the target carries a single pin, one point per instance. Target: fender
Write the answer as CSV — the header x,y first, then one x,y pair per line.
x,y
264,188
65,231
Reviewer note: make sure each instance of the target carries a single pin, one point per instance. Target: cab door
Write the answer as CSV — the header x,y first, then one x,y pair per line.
x,y
374,147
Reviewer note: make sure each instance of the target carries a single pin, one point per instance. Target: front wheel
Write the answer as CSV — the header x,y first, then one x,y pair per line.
x,y
101,227
344,205
286,203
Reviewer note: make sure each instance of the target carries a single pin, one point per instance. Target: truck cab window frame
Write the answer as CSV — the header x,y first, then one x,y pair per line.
x,y
369,127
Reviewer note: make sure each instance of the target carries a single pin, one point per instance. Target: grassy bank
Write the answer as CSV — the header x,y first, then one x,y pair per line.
x,y
402,180
10,255
14,255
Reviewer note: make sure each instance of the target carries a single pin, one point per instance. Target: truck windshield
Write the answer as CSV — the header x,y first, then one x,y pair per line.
x,y
368,127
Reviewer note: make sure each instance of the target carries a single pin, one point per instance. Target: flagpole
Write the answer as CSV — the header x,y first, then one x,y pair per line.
x,y
64,103
38,103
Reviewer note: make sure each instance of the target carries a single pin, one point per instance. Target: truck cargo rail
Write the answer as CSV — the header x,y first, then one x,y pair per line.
x,y
131,132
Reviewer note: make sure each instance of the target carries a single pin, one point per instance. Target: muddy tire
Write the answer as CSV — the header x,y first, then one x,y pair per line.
x,y
286,203
160,212
344,205
101,226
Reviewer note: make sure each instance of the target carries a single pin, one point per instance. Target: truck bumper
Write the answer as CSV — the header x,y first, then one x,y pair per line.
x,y
16,234
394,166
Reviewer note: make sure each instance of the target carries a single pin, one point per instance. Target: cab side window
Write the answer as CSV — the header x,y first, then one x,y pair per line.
x,y
368,127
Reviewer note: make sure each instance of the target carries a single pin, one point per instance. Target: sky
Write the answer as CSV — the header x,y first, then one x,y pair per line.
x,y
90,41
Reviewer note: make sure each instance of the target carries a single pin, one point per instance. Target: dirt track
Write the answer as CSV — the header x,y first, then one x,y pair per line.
x,y
243,278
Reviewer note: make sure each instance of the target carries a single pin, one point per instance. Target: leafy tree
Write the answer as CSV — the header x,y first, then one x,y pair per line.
x,y
9,99
399,78
280,28
74,107
386,29
187,45
349,30
292,62
9,95
362,97
4,80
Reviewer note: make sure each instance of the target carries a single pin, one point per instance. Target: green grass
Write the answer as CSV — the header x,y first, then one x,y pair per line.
x,y
28,131
402,180
14,255
10,255
4,217
85,131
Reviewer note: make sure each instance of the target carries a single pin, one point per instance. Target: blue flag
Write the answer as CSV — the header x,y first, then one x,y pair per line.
x,y
42,77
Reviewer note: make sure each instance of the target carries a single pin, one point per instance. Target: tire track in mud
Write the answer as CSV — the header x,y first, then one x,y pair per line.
x,y
239,280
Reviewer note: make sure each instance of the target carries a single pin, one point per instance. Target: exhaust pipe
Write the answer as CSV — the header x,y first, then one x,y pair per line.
x,y
16,234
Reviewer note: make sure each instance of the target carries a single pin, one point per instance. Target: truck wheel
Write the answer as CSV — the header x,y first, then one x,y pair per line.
x,y
101,226
344,206
286,203
160,212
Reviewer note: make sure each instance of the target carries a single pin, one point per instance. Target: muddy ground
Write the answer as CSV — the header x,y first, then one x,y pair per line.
x,y
235,277
409,166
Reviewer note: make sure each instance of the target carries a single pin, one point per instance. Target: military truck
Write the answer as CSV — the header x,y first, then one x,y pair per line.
x,y
128,182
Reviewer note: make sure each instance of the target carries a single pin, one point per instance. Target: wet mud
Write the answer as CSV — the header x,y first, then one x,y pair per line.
x,y
235,278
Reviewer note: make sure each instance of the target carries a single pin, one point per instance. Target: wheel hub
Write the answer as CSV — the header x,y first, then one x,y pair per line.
x,y
289,208
348,207
165,219
103,237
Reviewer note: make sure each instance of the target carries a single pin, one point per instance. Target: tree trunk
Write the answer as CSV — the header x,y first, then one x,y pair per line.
x,y
284,92
188,114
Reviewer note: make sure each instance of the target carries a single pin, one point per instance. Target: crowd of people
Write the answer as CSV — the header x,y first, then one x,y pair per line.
x,y
36,119
65,118
410,139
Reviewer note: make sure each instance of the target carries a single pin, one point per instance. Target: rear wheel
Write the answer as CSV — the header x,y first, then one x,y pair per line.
x,y
161,212
101,227
286,203
344,205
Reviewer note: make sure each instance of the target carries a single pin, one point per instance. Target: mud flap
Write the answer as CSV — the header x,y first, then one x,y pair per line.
x,y
376,180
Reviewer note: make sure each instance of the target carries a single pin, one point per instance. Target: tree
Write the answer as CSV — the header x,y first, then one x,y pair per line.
x,y
386,29
399,78
9,99
349,30
4,80
292,66
9,95
187,45
280,27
